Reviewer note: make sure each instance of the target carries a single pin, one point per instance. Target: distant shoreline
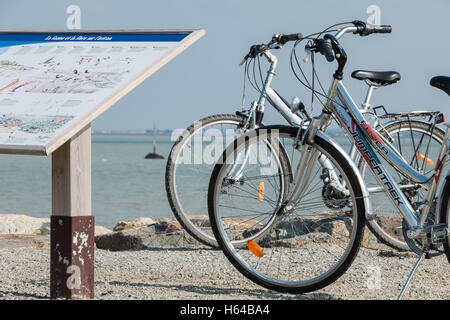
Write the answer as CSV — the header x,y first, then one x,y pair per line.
x,y
169,132
131,132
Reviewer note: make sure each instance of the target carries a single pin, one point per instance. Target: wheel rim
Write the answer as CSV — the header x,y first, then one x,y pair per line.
x,y
246,261
183,212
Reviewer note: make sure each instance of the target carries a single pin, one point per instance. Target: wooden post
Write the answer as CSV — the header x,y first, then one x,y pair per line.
x,y
72,223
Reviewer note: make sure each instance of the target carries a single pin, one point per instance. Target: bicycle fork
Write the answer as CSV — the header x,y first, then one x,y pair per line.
x,y
308,160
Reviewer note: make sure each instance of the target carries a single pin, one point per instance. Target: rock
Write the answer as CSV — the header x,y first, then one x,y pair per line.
x,y
129,224
166,226
200,220
163,234
30,241
21,224
241,224
389,223
299,231
119,241
99,230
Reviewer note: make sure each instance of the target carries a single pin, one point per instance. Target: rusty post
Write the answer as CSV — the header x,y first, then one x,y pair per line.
x,y
72,226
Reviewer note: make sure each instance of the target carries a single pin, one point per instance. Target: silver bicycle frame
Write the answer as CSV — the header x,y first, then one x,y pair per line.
x,y
267,93
370,144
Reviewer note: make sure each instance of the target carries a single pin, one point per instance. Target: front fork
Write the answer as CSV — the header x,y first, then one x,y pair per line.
x,y
308,159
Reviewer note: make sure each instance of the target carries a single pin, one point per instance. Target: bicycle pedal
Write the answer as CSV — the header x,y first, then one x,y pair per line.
x,y
439,233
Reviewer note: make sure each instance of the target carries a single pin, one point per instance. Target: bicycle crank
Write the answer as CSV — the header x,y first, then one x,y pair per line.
x,y
421,240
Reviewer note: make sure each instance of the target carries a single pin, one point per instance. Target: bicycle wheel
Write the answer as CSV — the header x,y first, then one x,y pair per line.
x,y
414,139
189,168
445,214
300,251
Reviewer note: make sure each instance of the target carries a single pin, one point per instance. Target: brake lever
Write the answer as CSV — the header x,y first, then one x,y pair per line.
x,y
243,60
308,54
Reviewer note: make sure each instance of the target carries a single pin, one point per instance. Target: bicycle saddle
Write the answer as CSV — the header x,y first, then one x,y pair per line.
x,y
380,77
441,82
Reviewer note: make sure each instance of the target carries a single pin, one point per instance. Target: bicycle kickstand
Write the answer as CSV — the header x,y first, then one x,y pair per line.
x,y
416,265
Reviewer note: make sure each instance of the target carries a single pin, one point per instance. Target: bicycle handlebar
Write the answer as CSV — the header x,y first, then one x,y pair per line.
x,y
276,43
283,38
325,47
328,49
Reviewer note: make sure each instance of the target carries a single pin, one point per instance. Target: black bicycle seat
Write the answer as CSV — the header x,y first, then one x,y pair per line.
x,y
441,82
380,77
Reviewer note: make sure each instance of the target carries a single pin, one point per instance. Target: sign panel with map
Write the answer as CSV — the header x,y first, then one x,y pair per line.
x,y
53,84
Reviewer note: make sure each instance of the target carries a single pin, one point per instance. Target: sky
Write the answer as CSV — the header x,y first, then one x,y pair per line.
x,y
205,79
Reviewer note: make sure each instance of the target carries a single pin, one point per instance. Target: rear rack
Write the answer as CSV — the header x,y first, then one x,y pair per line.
x,y
436,115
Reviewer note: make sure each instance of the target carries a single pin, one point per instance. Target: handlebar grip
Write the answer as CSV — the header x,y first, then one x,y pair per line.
x,y
290,37
382,29
364,29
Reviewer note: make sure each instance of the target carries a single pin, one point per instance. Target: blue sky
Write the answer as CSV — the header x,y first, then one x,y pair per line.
x,y
206,79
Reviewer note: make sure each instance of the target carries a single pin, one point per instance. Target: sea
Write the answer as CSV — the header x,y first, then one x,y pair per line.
x,y
125,185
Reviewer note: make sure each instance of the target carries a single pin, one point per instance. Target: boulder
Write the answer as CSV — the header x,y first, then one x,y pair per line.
x,y
158,235
99,230
129,224
21,224
200,220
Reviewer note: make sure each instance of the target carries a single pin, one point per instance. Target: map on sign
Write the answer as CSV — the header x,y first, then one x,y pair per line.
x,y
53,84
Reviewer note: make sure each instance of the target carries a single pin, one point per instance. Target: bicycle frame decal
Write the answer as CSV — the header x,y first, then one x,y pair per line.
x,y
438,170
374,136
368,153
373,161
365,137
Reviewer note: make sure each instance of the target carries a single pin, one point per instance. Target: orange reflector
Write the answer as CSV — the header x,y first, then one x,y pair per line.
x,y
426,159
255,248
261,191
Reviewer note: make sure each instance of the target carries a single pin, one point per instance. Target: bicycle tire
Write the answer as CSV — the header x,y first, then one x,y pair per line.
x,y
172,196
197,232
445,213
246,269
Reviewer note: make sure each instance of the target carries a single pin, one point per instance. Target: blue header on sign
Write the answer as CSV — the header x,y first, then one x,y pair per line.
x,y
11,39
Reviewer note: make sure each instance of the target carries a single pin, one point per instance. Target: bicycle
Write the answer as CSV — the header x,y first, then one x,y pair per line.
x,y
190,215
306,240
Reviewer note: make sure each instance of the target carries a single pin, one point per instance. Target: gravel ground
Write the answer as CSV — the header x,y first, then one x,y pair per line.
x,y
203,273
